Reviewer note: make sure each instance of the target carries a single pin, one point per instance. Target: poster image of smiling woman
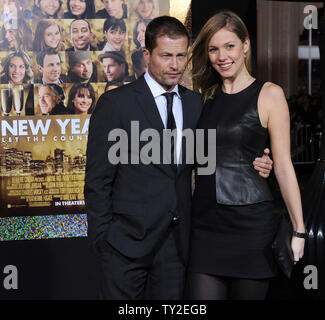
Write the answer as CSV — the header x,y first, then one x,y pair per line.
x,y
139,30
144,9
80,9
16,36
81,99
48,36
16,69
114,35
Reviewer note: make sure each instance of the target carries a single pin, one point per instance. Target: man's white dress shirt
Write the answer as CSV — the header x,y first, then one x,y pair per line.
x,y
157,90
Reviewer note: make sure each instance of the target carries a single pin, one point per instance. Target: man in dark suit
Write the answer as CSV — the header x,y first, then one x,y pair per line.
x,y
139,214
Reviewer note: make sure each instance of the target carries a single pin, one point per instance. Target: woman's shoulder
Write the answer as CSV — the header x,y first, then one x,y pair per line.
x,y
272,96
271,89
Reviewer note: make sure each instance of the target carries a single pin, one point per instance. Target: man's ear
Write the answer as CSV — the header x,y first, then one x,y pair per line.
x,y
92,39
146,55
40,69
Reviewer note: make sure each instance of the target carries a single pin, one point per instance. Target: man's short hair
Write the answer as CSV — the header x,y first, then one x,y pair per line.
x,y
56,89
41,56
89,26
164,26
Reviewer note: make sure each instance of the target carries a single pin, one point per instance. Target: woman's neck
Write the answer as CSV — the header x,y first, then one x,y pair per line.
x,y
237,83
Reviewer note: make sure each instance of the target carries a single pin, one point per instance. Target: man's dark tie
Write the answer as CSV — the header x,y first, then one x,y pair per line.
x,y
171,124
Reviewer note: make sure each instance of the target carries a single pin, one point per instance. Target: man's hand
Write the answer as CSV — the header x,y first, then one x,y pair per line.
x,y
264,164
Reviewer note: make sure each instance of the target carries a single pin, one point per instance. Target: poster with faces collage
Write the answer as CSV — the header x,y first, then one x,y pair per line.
x,y
58,56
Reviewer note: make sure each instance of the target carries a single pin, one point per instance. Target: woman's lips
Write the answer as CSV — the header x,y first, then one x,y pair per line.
x,y
225,66
16,76
75,9
84,105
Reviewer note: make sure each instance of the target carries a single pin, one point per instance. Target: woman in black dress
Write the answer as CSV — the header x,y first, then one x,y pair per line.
x,y
233,219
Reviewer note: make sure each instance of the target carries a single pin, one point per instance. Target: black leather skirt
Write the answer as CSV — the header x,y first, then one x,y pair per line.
x,y
234,241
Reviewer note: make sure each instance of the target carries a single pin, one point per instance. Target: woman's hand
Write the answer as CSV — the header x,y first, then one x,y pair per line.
x,y
297,246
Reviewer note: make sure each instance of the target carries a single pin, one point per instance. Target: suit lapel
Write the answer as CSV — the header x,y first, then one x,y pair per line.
x,y
148,104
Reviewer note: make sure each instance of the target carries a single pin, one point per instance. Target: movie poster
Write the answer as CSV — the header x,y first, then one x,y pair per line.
x,y
57,57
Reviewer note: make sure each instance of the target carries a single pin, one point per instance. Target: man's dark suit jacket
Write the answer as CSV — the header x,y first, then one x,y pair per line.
x,y
131,205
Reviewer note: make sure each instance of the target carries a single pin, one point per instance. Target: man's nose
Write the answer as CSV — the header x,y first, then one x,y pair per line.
x,y
173,63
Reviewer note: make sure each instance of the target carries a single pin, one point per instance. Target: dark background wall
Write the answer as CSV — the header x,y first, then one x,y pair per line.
x,y
50,269
246,9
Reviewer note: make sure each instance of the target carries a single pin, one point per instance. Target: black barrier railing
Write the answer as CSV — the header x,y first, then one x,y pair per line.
x,y
305,144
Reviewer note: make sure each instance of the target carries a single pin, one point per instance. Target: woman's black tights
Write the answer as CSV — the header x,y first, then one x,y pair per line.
x,y
209,287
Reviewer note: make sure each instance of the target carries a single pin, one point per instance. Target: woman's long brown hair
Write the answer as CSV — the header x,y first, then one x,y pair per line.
x,y
205,78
